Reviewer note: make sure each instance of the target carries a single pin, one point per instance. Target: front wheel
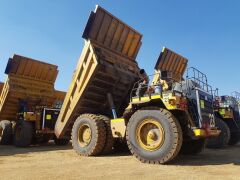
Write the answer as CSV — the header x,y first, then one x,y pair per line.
x,y
154,136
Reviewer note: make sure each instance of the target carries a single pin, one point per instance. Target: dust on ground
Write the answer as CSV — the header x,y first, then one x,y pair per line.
x,y
56,162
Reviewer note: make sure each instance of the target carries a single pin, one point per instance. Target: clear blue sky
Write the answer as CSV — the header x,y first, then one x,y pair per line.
x,y
207,32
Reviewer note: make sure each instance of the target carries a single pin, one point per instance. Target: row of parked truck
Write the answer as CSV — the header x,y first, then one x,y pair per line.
x,y
111,101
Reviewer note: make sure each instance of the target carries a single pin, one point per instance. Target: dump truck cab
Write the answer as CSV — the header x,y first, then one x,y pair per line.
x,y
226,110
186,97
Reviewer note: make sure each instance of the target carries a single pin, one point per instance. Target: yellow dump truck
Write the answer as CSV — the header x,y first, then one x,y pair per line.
x,y
111,99
29,104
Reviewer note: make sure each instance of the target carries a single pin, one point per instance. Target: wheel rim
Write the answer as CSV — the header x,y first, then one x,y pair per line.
x,y
84,135
150,135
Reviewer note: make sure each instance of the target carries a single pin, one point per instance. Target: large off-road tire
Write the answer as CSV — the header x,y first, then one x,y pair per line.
x,y
222,140
108,148
23,133
234,139
5,132
61,142
88,135
154,136
193,147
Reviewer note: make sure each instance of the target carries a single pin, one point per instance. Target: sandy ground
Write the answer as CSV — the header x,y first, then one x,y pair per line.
x,y
51,162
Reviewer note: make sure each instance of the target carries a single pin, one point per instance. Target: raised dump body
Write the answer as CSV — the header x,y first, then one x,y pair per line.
x,y
172,63
28,80
107,65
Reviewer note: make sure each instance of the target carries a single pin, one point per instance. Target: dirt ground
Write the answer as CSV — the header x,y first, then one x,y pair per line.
x,y
51,162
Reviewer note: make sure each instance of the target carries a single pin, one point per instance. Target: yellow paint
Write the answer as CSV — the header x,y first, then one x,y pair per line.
x,y
226,114
150,135
199,132
48,117
203,133
30,116
117,120
168,99
147,98
84,135
202,104
222,111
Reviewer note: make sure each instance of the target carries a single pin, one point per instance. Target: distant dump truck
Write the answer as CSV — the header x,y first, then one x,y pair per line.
x,y
227,120
111,99
29,104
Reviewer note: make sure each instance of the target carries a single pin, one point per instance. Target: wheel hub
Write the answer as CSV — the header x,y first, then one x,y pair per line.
x,y
84,135
150,135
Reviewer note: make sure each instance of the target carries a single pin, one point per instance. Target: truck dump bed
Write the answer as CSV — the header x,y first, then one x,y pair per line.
x,y
107,65
172,62
28,80
1,86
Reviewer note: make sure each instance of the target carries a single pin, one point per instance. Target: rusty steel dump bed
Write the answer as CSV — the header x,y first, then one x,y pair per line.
x,y
1,86
29,80
107,65
172,62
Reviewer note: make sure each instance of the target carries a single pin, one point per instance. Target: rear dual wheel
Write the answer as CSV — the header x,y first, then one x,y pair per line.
x,y
109,143
91,135
154,136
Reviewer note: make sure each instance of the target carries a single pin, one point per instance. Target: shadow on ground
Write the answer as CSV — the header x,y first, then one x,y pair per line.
x,y
229,155
12,150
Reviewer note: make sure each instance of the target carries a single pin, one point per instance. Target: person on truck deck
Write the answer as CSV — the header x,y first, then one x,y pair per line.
x,y
143,83
158,84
